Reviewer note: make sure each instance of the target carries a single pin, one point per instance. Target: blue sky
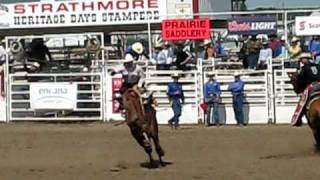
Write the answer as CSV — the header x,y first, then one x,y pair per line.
x,y
278,3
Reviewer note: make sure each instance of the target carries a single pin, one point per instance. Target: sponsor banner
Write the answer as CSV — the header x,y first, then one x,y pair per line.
x,y
81,13
116,85
53,96
252,25
173,30
308,26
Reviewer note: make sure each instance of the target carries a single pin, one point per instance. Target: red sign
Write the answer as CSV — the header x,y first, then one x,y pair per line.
x,y
178,29
116,85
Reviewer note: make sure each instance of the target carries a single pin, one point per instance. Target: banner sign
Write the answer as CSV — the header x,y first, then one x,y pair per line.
x,y
178,29
308,26
81,13
116,85
53,96
252,25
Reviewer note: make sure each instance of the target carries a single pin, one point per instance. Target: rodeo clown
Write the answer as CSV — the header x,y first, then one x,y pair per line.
x,y
132,75
136,50
309,76
176,98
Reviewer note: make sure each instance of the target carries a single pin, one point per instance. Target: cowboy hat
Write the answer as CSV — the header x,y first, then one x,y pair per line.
x,y
305,55
175,74
210,74
128,58
236,74
207,42
295,39
158,45
137,47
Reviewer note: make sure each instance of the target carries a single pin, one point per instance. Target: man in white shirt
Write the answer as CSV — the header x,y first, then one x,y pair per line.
x,y
265,55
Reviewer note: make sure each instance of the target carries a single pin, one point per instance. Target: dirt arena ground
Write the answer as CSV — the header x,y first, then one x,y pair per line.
x,y
94,151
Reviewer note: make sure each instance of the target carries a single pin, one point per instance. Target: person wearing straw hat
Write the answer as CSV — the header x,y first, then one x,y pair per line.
x,y
136,50
295,48
309,76
132,75
236,88
212,94
176,98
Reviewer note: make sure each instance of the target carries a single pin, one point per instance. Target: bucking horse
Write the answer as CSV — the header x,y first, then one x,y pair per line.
x,y
312,104
142,122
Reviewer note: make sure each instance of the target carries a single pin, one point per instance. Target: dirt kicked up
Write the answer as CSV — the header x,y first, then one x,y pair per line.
x,y
104,151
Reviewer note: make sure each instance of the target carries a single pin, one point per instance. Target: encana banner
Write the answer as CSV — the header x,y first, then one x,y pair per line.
x,y
184,29
252,25
81,13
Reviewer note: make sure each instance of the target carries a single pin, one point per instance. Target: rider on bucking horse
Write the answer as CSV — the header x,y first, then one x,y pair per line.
x,y
309,78
132,75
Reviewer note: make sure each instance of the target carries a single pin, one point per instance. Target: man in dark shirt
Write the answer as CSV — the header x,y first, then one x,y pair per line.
x,y
38,52
309,76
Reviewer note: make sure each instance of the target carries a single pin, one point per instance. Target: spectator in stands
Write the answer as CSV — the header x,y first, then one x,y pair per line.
x,y
168,51
314,48
283,48
275,45
236,89
295,48
265,56
38,53
254,47
159,57
212,94
136,50
176,98
201,52
219,49
209,49
243,54
183,57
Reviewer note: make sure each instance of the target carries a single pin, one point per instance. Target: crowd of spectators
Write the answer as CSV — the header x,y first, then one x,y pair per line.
x,y
253,52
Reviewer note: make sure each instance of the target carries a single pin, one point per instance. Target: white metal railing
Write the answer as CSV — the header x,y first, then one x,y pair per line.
x,y
89,97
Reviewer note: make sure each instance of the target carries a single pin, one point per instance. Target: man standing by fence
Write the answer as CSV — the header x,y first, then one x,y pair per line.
x,y
212,94
176,98
236,88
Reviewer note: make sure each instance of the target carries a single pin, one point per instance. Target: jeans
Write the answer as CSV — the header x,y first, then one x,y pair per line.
x,y
213,114
237,100
253,60
177,108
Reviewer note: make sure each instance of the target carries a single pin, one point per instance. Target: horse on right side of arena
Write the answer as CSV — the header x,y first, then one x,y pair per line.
x,y
143,123
312,110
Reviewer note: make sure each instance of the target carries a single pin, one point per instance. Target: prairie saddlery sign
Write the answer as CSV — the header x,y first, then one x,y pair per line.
x,y
82,13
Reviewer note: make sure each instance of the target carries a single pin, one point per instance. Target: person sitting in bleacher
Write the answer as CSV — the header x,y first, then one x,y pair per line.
x,y
159,57
183,56
294,51
265,55
136,50
37,53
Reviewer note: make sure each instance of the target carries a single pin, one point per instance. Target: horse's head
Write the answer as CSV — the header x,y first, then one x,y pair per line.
x,y
151,101
297,84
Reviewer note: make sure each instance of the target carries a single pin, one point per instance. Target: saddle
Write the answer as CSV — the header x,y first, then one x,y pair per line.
x,y
310,94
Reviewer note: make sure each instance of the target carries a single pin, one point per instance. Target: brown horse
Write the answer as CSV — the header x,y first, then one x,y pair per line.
x,y
143,124
312,110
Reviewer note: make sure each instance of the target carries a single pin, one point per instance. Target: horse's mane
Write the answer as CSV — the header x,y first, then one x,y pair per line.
x,y
132,104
